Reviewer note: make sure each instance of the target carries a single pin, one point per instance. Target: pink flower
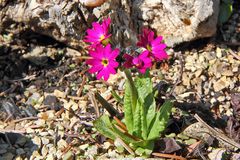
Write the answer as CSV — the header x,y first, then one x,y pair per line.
x,y
128,61
141,62
103,61
154,46
98,34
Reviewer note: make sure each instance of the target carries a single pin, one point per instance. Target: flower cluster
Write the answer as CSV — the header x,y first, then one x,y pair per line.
x,y
103,58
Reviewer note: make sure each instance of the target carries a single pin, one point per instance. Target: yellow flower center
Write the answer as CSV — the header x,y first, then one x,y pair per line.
x,y
105,62
149,47
105,41
102,37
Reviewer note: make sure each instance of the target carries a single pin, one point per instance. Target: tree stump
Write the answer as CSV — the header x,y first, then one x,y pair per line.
x,y
66,21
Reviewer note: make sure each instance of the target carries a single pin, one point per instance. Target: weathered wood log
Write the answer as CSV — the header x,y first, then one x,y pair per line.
x,y
66,21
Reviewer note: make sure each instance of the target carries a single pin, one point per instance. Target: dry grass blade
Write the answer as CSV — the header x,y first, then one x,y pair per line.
x,y
26,118
79,91
193,146
125,145
221,137
112,111
169,156
234,54
94,102
123,126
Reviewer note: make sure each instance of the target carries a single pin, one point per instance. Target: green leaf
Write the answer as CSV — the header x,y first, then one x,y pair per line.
x,y
107,128
161,120
104,126
137,129
146,99
117,97
130,102
225,12
144,148
128,109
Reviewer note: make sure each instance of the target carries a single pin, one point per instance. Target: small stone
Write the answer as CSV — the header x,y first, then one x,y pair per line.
x,y
219,52
36,140
222,83
2,151
44,151
51,101
4,146
20,151
217,154
43,134
201,58
30,130
7,156
106,145
33,99
186,79
21,141
227,73
221,98
179,90
213,101
84,146
45,140
204,78
35,154
198,73
41,122
50,156
59,94
235,69
68,156
92,150
61,144
18,158
229,113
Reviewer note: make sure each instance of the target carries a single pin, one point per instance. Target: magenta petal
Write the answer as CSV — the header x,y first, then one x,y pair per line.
x,y
157,40
107,51
103,73
142,70
95,69
114,54
111,70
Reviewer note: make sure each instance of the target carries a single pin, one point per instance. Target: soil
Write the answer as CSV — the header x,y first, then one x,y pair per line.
x,y
46,107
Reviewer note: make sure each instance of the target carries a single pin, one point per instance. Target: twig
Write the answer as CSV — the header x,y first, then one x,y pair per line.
x,y
13,131
55,137
31,77
193,147
125,145
169,156
60,112
75,98
67,75
79,91
217,134
123,126
26,118
11,89
234,54
94,102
